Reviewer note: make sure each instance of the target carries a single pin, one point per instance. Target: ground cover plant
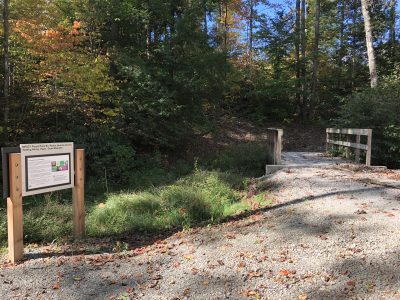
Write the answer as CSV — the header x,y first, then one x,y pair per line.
x,y
212,189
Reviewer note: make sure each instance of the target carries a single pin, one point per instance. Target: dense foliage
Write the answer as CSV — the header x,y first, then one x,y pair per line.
x,y
377,109
128,77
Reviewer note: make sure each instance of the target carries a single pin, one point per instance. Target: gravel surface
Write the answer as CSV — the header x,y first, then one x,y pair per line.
x,y
331,234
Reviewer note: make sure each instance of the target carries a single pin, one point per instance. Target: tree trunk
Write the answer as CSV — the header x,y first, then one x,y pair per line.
x,y
226,27
205,18
342,47
315,57
297,57
354,34
392,27
303,54
6,33
369,40
251,30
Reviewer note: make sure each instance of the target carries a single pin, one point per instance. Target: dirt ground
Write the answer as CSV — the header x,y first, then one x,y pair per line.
x,y
331,233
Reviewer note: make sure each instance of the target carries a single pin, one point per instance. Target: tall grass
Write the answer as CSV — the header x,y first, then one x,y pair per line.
x,y
203,196
209,193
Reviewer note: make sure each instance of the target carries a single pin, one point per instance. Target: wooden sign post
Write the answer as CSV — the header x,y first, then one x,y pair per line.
x,y
14,202
78,194
14,210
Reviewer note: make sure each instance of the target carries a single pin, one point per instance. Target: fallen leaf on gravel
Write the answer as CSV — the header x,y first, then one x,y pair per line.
x,y
138,251
323,237
287,273
370,286
262,258
303,297
156,277
130,290
242,264
220,262
360,212
250,294
56,286
153,284
284,272
205,282
254,274
390,215
77,278
351,283
195,271
231,236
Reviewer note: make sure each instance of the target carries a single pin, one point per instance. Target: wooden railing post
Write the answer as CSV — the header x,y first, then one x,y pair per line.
x,y
327,141
278,147
347,150
274,146
78,194
357,151
14,210
369,150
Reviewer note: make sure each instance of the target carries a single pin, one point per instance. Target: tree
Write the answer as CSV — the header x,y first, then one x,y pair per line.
x,y
6,88
297,57
303,56
392,26
315,56
369,41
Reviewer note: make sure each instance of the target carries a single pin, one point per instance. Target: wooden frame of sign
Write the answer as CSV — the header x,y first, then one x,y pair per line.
x,y
15,193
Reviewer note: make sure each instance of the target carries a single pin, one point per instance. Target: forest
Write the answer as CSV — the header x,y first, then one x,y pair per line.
x,y
135,82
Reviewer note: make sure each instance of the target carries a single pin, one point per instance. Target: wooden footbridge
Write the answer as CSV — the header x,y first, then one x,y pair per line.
x,y
348,142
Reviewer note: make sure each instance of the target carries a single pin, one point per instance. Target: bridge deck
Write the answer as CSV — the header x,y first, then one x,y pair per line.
x,y
304,160
309,158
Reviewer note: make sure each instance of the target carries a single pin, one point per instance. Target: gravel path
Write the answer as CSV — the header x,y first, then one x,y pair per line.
x,y
331,234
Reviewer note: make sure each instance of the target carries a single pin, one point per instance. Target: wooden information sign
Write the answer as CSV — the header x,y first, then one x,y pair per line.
x,y
41,168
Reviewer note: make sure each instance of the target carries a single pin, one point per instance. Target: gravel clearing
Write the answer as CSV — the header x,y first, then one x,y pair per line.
x,y
331,234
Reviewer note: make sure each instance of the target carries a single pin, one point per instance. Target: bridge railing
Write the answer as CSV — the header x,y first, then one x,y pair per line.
x,y
335,136
274,146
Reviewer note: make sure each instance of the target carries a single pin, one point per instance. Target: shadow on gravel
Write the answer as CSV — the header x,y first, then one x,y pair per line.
x,y
301,200
363,278
133,241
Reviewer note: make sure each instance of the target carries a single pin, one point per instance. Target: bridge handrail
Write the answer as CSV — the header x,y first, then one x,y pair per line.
x,y
357,145
274,146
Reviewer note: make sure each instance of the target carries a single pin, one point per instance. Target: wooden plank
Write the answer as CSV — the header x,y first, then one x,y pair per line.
x,y
357,151
348,144
78,194
278,147
274,145
369,151
14,210
352,131
347,150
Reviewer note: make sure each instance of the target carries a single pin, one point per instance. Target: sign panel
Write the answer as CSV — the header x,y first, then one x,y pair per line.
x,y
46,167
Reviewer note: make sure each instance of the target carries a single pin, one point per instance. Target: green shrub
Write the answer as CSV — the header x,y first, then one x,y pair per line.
x,y
247,159
379,109
43,223
124,213
192,204
199,197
